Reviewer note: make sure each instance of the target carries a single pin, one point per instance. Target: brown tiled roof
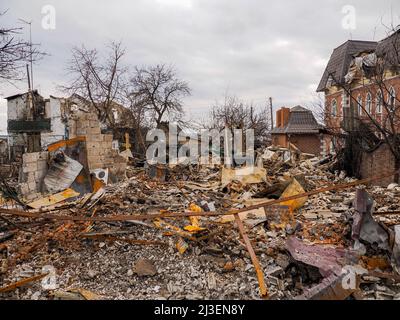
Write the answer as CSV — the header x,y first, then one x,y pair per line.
x,y
341,58
301,121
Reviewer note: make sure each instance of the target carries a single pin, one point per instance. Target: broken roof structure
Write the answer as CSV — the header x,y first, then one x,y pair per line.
x,y
341,59
388,48
343,55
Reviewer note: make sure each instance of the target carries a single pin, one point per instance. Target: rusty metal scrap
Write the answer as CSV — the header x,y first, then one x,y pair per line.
x,y
21,283
331,288
253,256
327,259
364,225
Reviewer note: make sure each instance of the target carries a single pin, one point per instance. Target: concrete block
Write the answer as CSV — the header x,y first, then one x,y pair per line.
x,y
94,159
94,124
30,177
42,166
39,176
29,167
32,186
96,165
42,156
92,152
30,157
95,138
94,130
93,117
94,145
108,138
81,132
24,189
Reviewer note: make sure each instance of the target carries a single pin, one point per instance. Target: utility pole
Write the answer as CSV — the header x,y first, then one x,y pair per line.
x,y
272,113
31,48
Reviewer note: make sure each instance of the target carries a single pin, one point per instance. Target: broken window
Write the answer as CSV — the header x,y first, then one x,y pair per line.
x,y
334,110
369,103
379,100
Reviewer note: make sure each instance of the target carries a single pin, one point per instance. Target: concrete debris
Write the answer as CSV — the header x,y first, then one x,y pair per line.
x,y
144,267
248,175
289,228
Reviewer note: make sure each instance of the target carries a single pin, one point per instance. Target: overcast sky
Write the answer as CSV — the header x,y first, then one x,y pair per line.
x,y
249,48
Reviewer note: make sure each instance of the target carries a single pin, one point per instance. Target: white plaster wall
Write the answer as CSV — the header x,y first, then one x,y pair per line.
x,y
53,111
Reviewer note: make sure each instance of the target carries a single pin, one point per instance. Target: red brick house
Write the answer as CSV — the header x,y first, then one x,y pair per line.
x,y
299,127
353,96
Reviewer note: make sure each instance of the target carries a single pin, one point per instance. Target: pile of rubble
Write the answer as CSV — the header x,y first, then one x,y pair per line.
x,y
287,228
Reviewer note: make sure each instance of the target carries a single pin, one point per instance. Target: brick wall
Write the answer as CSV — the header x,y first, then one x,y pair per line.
x,y
333,122
307,143
99,146
376,163
280,140
359,90
32,172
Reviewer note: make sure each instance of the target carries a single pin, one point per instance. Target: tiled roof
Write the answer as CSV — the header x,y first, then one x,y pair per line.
x,y
301,121
389,49
341,58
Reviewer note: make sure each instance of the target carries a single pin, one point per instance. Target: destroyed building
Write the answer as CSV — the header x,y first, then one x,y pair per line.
x,y
39,127
298,127
4,151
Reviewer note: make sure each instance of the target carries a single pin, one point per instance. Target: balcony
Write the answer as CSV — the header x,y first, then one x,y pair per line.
x,y
28,126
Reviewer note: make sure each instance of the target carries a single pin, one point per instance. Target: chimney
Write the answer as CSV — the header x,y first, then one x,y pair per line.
x,y
278,118
282,117
285,114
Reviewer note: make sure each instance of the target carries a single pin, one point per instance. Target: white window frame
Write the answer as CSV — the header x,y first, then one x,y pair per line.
x,y
392,95
368,103
359,104
379,102
334,108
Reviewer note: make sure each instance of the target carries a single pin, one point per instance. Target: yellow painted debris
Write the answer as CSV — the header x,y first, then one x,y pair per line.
x,y
248,175
88,295
53,199
251,214
293,189
182,246
195,226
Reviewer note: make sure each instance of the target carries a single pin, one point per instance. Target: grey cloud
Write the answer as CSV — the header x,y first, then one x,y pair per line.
x,y
252,48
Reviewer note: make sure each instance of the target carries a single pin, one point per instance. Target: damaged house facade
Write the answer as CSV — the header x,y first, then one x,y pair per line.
x,y
4,151
40,130
298,127
361,85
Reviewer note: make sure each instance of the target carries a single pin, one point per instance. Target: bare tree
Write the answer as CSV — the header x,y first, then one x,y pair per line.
x,y
99,81
324,116
15,53
235,114
137,118
159,91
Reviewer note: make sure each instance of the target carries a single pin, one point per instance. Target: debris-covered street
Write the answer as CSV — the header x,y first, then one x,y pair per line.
x,y
139,245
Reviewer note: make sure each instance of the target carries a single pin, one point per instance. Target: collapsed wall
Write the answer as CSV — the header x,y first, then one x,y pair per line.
x,y
100,151
32,172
